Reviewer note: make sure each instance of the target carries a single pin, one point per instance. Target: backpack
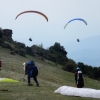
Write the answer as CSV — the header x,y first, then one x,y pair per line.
x,y
34,71
80,80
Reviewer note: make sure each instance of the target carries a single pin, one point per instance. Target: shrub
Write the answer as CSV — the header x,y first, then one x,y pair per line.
x,y
5,45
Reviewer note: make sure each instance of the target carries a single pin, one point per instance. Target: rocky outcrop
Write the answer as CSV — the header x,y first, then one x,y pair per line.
x,y
7,33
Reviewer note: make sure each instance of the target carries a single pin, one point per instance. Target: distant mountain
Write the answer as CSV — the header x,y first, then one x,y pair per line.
x,y
86,51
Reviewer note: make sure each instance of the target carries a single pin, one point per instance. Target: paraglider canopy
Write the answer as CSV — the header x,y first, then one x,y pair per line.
x,y
80,19
32,11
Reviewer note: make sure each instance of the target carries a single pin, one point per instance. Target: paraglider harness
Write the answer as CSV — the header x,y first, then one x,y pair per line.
x,y
31,69
30,39
78,40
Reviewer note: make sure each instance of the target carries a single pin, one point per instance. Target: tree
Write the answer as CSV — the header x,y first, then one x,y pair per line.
x,y
1,36
70,66
1,33
29,51
58,54
19,45
58,48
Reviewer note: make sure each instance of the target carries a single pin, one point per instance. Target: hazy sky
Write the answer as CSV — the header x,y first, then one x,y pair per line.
x,y
59,12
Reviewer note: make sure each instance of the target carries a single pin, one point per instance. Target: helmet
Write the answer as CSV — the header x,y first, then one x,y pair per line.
x,y
77,68
31,63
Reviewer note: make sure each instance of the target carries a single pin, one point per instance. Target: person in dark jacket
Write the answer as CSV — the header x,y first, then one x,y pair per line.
x,y
32,72
0,64
79,78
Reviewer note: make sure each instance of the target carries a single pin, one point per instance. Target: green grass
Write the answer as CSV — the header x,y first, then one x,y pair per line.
x,y
50,77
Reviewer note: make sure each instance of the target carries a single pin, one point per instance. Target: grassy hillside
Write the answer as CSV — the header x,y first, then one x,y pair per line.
x,y
50,78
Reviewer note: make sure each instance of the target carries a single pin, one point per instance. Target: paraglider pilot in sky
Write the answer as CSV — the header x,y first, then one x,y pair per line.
x,y
78,40
30,39
79,78
32,11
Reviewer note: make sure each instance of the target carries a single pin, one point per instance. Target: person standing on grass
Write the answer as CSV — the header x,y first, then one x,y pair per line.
x,y
0,64
79,78
32,72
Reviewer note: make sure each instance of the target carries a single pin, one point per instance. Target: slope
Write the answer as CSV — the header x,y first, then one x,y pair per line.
x,y
50,78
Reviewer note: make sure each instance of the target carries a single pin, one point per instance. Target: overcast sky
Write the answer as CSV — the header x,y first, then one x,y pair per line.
x,y
59,12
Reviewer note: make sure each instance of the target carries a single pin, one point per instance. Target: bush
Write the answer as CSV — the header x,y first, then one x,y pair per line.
x,y
1,41
20,52
12,52
8,39
5,45
70,66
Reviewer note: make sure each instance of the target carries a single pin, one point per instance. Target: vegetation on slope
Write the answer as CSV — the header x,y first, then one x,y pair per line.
x,y
56,53
50,78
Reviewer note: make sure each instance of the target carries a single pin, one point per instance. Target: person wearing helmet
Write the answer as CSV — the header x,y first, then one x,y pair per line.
x,y
79,78
32,72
